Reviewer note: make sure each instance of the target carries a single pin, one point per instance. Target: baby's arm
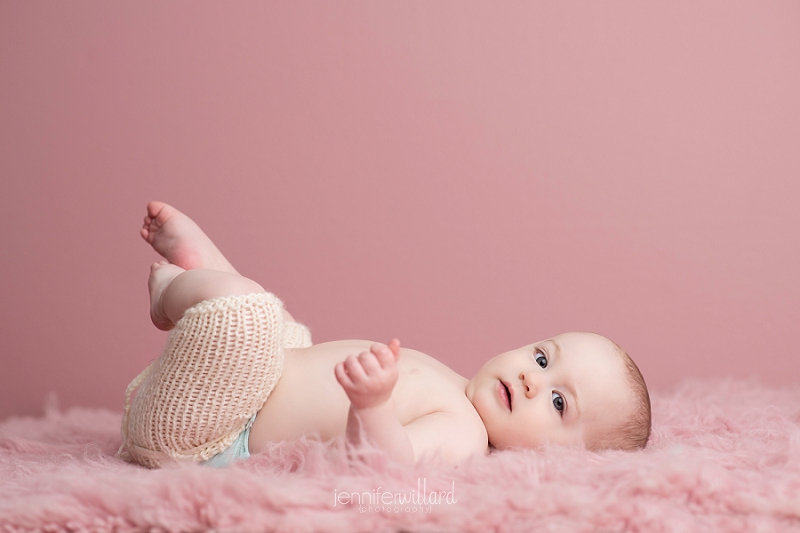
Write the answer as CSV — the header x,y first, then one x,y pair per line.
x,y
368,381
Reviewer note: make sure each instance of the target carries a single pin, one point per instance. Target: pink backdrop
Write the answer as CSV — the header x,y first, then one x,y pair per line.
x,y
467,176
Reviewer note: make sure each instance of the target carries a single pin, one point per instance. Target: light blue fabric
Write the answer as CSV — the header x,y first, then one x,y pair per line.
x,y
238,451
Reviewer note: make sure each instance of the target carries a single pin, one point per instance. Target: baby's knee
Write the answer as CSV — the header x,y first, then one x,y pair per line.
x,y
209,284
194,286
235,285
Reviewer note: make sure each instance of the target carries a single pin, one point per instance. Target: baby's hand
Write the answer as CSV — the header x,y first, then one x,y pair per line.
x,y
369,378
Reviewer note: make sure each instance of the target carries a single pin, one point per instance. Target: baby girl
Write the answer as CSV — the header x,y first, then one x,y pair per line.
x,y
238,372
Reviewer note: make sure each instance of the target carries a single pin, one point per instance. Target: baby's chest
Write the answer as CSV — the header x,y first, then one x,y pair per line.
x,y
421,390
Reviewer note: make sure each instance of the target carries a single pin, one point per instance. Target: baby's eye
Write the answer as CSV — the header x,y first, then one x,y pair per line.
x,y
541,360
558,402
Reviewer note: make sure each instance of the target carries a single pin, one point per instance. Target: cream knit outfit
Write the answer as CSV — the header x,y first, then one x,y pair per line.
x,y
221,362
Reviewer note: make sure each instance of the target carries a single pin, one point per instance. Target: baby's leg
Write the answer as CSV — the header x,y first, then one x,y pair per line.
x,y
180,241
173,290
220,363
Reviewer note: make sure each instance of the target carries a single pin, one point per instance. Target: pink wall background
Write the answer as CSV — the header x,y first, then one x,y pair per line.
x,y
467,176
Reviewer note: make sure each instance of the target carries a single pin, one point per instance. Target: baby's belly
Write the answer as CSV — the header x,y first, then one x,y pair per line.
x,y
307,401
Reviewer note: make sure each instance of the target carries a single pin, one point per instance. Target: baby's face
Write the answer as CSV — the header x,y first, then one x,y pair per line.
x,y
565,390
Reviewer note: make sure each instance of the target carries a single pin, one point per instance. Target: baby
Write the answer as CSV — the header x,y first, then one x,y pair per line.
x,y
239,372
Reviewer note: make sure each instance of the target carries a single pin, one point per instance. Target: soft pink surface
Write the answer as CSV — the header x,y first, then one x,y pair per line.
x,y
725,456
467,176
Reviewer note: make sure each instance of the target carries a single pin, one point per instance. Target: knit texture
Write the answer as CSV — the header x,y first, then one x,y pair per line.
x,y
220,363
296,335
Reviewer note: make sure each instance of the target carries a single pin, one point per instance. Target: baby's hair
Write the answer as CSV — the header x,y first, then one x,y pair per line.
x,y
634,432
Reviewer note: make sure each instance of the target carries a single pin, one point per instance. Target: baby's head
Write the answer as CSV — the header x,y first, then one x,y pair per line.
x,y
573,389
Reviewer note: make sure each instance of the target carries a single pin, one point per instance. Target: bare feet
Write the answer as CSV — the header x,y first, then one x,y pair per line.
x,y
180,241
161,275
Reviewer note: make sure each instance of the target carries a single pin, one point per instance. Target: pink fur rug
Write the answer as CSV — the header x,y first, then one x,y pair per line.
x,y
724,456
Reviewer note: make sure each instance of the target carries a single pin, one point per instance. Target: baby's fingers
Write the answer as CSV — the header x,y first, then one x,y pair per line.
x,y
342,377
394,346
354,369
371,363
384,356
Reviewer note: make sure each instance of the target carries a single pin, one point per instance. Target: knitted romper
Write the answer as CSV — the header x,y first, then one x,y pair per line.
x,y
220,363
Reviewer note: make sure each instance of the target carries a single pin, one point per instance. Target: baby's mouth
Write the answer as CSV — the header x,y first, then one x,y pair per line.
x,y
506,394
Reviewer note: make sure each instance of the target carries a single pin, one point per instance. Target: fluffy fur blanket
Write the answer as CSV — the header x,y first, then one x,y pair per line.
x,y
724,456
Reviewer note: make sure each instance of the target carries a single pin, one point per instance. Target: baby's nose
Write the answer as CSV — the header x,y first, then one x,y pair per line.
x,y
530,383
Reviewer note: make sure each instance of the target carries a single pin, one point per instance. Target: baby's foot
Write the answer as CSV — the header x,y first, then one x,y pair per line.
x,y
176,237
161,275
